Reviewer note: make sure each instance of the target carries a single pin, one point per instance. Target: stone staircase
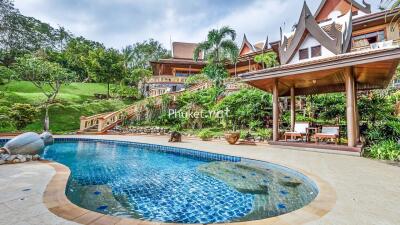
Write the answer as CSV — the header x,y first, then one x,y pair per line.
x,y
101,123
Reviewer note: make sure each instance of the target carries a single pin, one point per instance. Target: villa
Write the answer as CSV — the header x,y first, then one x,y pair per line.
x,y
135,179
169,75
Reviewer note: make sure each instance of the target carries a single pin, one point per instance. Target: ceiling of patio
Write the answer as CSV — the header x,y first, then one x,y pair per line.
x,y
372,70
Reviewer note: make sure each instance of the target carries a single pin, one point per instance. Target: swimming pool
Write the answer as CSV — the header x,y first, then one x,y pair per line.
x,y
167,184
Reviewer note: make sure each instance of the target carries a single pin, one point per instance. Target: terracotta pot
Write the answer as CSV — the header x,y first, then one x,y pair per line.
x,y
232,138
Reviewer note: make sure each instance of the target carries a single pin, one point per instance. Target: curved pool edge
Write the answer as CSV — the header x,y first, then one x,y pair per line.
x,y
57,202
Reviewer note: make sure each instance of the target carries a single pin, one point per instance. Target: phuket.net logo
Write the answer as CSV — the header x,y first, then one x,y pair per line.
x,y
201,114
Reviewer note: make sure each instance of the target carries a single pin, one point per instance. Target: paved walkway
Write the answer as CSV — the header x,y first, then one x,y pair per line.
x,y
368,192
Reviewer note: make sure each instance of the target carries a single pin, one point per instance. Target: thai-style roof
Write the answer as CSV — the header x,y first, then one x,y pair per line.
x,y
343,6
183,50
330,36
246,47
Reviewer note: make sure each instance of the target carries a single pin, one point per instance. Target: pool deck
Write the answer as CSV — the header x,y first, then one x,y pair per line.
x,y
358,191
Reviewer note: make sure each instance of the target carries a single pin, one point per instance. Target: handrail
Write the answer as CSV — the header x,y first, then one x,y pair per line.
x,y
105,121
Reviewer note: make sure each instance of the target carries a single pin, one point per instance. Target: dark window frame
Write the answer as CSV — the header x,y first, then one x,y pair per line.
x,y
314,53
302,55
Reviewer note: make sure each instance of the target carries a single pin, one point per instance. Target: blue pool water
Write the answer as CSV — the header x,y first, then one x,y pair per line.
x,y
134,181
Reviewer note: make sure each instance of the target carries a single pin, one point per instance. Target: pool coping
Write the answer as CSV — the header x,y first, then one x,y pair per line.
x,y
57,202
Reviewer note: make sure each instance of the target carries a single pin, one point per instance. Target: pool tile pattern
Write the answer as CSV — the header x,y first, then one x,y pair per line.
x,y
150,184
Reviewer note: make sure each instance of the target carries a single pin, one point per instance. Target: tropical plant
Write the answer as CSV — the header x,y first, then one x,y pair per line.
x,y
206,134
6,74
264,134
245,107
196,79
385,150
392,5
216,72
138,77
268,59
219,46
48,77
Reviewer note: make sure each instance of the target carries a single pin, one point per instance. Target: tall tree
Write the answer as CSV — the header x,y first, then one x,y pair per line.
x,y
141,53
77,55
48,77
219,46
107,65
20,34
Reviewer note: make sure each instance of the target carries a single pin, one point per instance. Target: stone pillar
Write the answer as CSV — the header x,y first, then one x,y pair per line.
x,y
350,107
275,111
292,108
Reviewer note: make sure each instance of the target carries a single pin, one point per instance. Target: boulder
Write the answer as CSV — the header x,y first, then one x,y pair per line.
x,y
47,138
10,158
2,162
28,143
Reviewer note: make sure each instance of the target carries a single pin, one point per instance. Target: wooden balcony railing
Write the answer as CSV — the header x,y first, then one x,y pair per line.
x,y
167,79
384,44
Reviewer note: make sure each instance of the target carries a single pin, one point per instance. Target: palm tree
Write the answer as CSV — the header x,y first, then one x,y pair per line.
x,y
219,46
127,53
392,5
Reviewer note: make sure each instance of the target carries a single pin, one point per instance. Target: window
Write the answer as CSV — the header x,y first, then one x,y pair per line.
x,y
368,39
303,54
147,88
174,88
315,51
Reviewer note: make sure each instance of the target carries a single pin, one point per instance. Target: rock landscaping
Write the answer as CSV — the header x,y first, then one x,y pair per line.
x,y
12,159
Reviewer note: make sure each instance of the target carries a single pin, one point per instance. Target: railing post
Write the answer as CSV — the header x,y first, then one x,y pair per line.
x,y
100,125
82,123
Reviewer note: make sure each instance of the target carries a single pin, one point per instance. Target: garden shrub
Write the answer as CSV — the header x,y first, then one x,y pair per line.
x,y
206,134
196,79
23,114
264,134
385,150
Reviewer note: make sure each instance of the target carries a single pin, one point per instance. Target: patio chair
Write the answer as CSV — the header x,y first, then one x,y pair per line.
x,y
300,130
328,132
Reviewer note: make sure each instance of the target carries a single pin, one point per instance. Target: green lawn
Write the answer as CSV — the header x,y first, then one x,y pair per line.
x,y
26,92
74,100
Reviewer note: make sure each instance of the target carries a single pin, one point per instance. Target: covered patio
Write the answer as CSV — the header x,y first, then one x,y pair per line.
x,y
349,73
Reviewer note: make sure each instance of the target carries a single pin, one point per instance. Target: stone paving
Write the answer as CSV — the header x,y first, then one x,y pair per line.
x,y
367,191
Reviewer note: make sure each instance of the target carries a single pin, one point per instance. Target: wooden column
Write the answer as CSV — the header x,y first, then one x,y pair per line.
x,y
357,123
350,107
292,108
275,111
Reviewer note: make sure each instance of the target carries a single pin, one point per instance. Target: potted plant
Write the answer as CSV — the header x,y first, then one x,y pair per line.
x,y
206,135
232,137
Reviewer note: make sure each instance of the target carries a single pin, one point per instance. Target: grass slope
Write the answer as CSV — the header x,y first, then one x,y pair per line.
x,y
74,100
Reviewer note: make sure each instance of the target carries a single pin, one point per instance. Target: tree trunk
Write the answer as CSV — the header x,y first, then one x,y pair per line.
x,y
108,89
46,125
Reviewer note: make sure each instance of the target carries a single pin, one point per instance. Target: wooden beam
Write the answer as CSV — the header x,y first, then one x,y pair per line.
x,y
292,108
275,111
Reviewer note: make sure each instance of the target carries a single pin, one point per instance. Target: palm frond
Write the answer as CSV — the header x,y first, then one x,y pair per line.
x,y
231,49
226,30
201,47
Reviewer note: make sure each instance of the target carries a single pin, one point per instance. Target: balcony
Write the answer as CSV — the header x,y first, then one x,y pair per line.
x,y
377,45
166,79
